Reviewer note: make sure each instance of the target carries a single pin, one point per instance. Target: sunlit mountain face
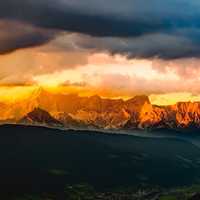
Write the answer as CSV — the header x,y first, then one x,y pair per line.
x,y
113,51
62,110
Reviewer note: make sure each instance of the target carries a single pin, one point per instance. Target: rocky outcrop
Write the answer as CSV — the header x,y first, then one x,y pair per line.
x,y
39,117
183,115
73,111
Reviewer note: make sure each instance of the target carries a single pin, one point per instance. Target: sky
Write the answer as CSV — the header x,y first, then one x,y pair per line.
x,y
113,48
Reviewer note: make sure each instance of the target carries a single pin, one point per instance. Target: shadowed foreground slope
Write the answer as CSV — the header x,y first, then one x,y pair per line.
x,y
36,159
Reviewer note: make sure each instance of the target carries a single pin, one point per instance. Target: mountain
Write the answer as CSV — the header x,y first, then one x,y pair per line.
x,y
183,115
39,117
73,111
69,122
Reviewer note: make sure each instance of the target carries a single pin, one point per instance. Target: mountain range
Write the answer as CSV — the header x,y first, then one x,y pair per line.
x,y
73,111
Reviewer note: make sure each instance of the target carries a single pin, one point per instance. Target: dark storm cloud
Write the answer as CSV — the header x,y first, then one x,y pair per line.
x,y
160,45
62,15
105,18
15,35
135,20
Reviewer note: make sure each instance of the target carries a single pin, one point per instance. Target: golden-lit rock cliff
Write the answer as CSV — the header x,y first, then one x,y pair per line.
x,y
71,110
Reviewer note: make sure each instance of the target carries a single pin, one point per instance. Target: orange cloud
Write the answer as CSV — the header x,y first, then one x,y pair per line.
x,y
86,73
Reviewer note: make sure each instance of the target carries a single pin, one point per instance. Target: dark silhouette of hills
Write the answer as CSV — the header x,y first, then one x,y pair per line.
x,y
38,159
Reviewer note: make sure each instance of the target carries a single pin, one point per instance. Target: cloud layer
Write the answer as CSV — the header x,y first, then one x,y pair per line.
x,y
137,28
15,35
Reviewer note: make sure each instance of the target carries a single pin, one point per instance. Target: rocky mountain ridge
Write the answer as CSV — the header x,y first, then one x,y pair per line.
x,y
73,111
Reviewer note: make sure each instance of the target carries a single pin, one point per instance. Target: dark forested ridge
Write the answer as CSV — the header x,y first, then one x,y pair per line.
x,y
37,159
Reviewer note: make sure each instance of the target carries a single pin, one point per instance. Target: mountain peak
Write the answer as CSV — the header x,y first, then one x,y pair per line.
x,y
39,116
139,100
142,98
95,97
38,111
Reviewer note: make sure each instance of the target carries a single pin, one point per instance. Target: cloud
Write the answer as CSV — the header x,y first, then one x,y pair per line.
x,y
160,45
129,85
20,67
105,18
9,82
103,74
68,83
15,35
137,28
186,68
114,18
